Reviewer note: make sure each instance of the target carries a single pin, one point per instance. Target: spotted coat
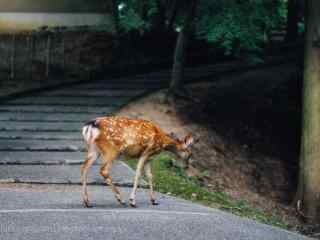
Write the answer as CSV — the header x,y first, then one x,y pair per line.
x,y
131,137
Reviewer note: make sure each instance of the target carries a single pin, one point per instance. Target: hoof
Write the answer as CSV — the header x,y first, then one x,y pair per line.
x,y
132,203
123,203
154,202
86,204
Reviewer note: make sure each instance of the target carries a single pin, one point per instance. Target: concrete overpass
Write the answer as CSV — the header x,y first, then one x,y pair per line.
x,y
19,15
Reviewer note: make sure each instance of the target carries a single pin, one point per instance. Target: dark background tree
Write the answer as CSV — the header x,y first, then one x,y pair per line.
x,y
292,20
188,12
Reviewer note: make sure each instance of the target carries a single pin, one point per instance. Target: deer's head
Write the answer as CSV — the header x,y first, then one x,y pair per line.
x,y
182,149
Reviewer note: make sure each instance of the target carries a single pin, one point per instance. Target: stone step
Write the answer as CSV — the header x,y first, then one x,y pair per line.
x,y
67,101
54,117
41,126
41,135
41,158
154,75
41,145
109,86
121,174
57,109
153,78
95,93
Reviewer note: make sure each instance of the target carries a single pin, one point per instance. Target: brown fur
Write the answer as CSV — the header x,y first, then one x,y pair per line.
x,y
112,136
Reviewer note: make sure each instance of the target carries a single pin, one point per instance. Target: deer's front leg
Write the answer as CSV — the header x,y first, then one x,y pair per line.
x,y
141,162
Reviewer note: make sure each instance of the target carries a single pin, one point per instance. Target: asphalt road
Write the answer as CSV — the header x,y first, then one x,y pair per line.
x,y
55,212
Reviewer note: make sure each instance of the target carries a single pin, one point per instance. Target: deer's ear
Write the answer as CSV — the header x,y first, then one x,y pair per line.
x,y
188,140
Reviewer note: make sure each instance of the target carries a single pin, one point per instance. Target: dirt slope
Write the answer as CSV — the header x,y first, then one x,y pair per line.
x,y
247,131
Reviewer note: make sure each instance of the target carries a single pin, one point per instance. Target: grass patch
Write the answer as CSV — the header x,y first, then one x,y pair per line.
x,y
170,179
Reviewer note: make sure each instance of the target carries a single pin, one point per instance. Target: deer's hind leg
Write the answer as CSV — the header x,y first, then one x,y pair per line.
x,y
149,175
92,155
108,157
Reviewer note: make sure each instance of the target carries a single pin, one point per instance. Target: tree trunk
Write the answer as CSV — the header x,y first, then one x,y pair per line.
x,y
159,20
171,14
181,48
144,9
292,20
115,12
309,182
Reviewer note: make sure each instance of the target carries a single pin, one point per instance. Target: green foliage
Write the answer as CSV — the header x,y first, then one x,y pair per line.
x,y
170,179
301,27
238,26
130,20
130,15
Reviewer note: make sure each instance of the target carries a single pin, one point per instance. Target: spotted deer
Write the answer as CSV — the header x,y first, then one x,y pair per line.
x,y
141,139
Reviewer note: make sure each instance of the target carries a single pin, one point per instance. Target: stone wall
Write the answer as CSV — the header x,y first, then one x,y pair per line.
x,y
60,6
34,59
